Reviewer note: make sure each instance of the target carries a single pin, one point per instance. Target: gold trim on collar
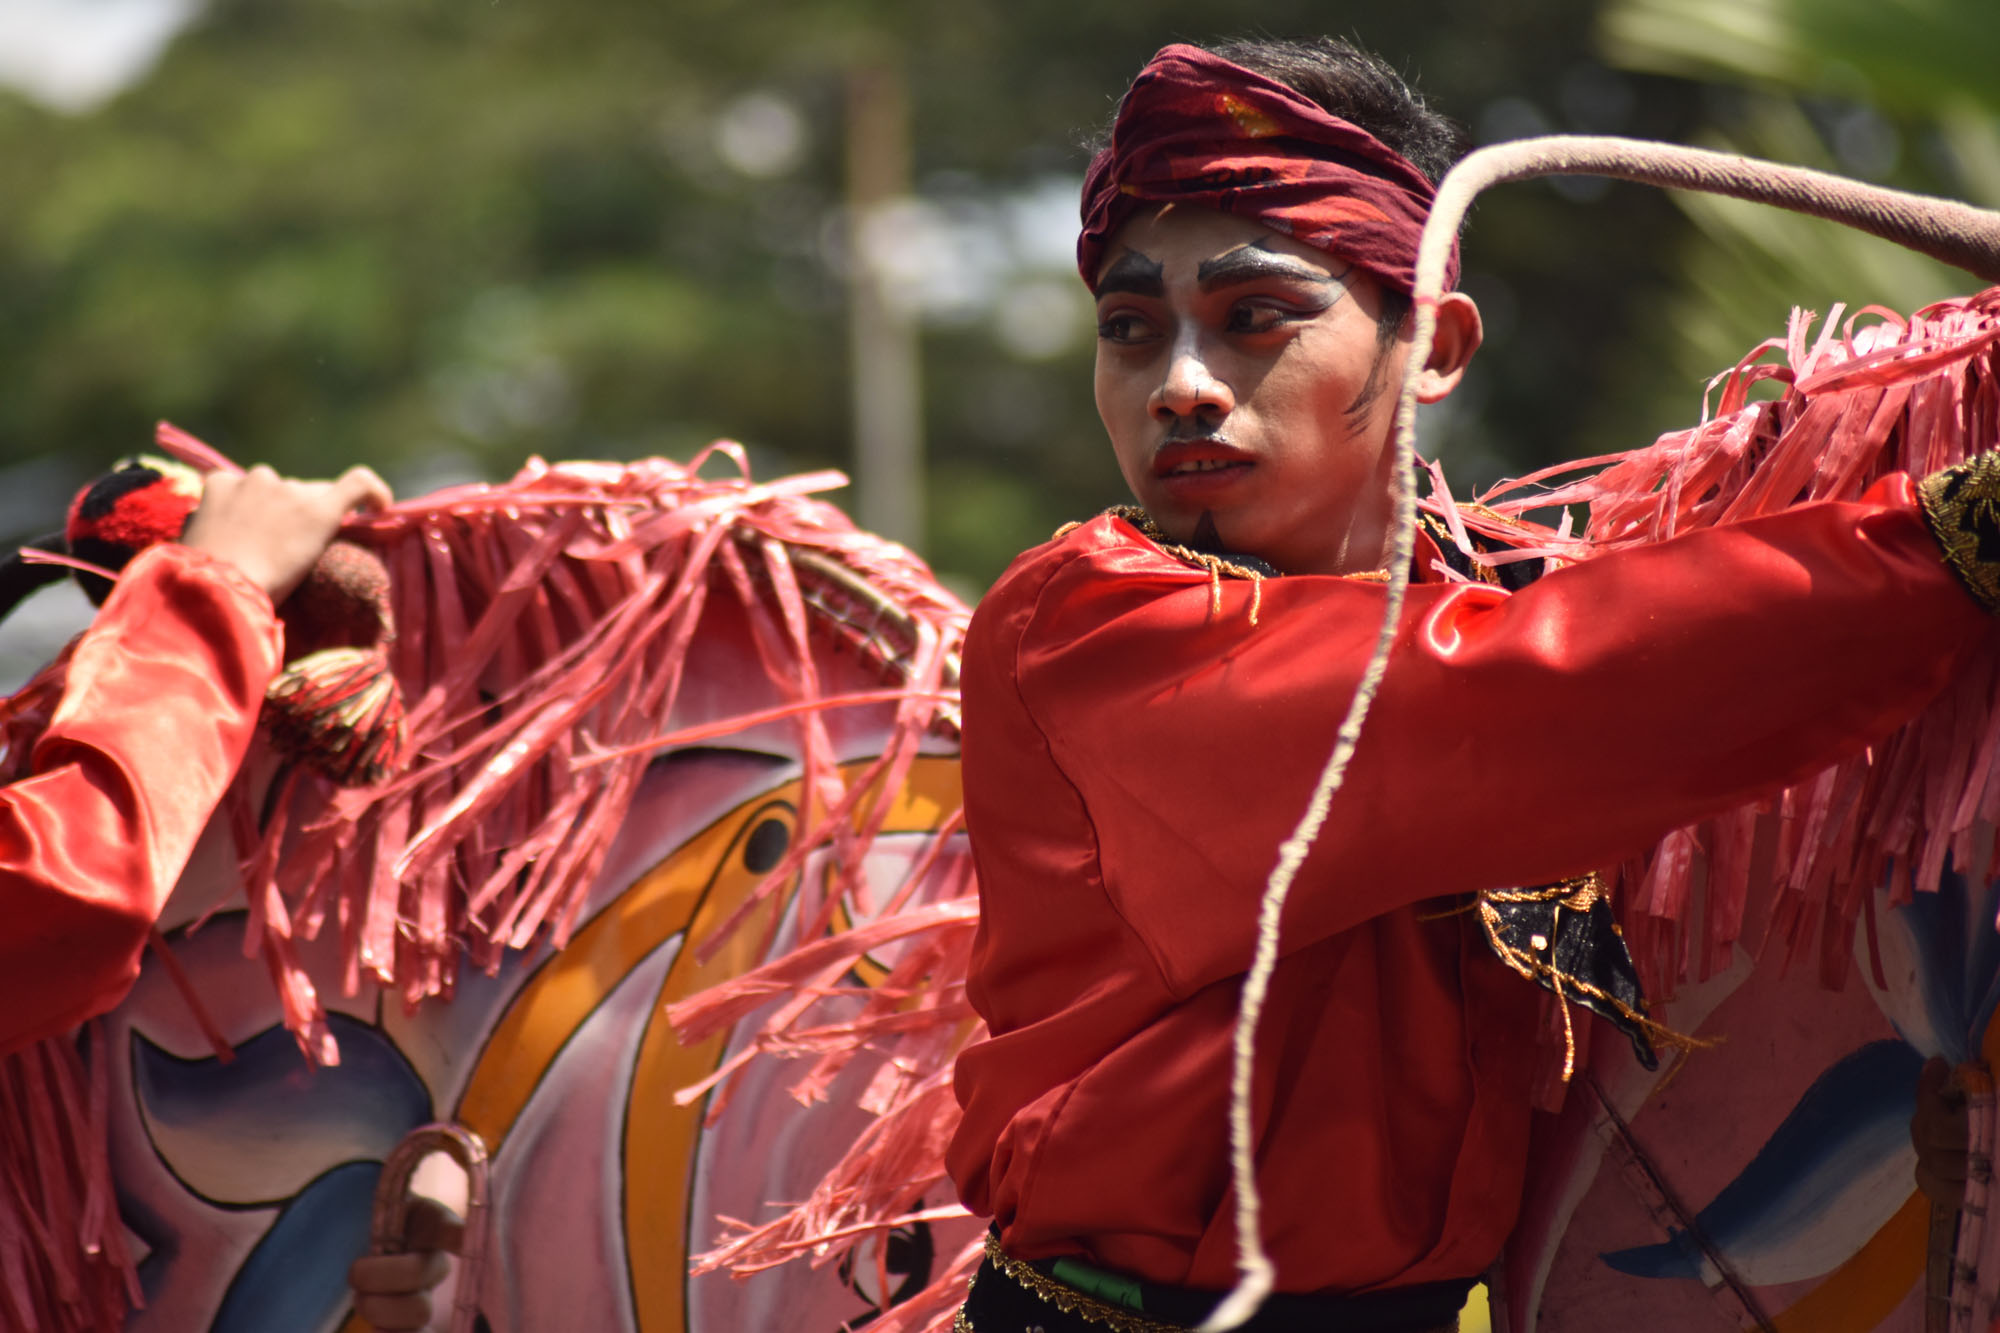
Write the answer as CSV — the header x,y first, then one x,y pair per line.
x,y
1217,567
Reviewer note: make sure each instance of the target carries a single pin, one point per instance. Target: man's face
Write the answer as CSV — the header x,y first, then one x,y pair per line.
x,y
1242,379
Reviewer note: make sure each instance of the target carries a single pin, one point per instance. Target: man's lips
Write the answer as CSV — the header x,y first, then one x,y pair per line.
x,y
1194,458
1199,472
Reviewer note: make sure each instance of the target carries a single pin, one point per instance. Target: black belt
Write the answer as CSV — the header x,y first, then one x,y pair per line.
x,y
1015,1296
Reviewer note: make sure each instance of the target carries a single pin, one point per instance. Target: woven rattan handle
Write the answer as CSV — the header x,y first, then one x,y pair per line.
x,y
392,1206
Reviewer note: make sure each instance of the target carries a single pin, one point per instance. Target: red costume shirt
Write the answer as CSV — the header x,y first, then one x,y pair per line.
x,y
159,704
1132,762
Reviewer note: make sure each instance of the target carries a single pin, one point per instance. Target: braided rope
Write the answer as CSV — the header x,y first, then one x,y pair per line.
x,y
1958,234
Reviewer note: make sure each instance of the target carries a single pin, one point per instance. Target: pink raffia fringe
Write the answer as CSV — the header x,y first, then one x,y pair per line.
x,y
1860,400
63,1262
546,624
64,1267
910,1028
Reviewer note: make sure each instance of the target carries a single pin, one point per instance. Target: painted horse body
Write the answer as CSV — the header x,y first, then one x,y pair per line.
x,y
245,1173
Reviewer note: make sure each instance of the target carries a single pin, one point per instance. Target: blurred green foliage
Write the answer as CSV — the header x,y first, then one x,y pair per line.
x,y
1900,92
439,237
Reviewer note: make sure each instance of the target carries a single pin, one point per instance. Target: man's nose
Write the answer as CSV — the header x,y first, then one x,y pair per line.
x,y
1190,388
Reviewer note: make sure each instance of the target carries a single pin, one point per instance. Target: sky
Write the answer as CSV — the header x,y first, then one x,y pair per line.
x,y
73,55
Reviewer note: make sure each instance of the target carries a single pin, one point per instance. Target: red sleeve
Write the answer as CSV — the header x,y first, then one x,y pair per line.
x,y
158,706
1516,739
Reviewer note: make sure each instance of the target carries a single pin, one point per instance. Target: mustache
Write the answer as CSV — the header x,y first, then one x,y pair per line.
x,y
1185,431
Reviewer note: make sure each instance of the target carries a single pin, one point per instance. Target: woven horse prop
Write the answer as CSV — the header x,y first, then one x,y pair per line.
x,y
876,1004
661,727
1764,1178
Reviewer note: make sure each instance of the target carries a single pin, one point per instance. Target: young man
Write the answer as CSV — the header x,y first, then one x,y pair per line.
x,y
158,706
1149,697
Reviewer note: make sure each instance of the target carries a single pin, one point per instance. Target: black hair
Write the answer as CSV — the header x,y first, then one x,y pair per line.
x,y
1364,90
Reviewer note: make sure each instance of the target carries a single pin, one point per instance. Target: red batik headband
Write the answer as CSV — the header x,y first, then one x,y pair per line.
x,y
1197,129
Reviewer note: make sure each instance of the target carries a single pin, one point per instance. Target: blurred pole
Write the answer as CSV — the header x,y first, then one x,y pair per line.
x,y
882,331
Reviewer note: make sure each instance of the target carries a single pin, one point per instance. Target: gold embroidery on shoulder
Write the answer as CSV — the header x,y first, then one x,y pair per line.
x,y
1962,506
1440,533
1486,511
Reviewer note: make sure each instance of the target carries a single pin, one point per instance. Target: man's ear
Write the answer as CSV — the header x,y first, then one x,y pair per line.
x,y
1458,336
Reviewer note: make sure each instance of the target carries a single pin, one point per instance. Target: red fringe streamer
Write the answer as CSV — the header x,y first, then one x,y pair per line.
x,y
63,1263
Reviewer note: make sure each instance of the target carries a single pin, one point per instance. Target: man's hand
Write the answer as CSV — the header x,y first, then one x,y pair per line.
x,y
273,528
1941,1134
393,1291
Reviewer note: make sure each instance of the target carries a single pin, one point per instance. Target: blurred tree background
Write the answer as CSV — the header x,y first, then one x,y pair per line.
x,y
1899,92
439,235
